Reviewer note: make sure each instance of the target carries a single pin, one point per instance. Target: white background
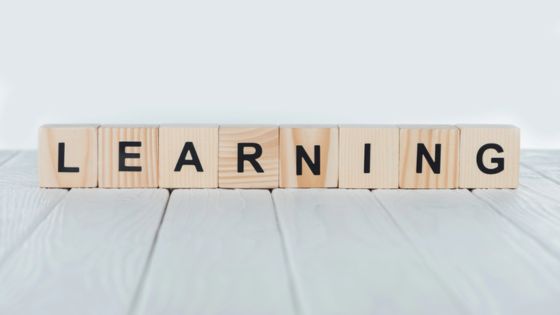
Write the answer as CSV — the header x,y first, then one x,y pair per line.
x,y
482,61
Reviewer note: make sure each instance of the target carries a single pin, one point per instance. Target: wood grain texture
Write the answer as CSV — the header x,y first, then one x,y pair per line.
x,y
172,140
267,138
20,171
545,162
6,155
108,169
534,208
487,262
473,138
218,252
430,137
348,257
80,152
87,257
383,166
308,137
21,211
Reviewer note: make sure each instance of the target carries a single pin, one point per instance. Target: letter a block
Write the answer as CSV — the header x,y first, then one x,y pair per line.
x,y
369,157
248,157
128,156
489,156
429,157
68,156
309,157
188,156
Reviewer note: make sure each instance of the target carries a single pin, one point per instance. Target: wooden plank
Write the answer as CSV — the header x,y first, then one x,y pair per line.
x,y
20,171
218,252
493,266
534,208
545,162
348,257
87,257
6,155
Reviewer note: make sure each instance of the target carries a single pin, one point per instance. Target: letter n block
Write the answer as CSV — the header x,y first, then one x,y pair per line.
x,y
248,157
188,156
128,156
429,157
309,156
489,156
368,157
68,156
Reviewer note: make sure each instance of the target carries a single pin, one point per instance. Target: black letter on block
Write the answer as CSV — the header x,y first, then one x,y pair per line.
x,y
61,167
315,167
367,158
123,156
189,146
499,161
252,158
435,164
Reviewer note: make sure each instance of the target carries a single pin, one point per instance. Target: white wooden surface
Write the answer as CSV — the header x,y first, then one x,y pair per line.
x,y
87,257
218,252
290,252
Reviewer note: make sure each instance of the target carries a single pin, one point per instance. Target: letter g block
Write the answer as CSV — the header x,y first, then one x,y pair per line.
x,y
489,156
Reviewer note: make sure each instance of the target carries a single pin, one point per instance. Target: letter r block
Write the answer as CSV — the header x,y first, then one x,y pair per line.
x,y
489,156
309,156
68,156
248,157
190,144
128,156
429,157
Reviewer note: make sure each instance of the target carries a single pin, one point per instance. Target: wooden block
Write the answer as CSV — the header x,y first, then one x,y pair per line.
x,y
188,156
489,156
248,157
429,157
368,157
128,156
308,156
68,156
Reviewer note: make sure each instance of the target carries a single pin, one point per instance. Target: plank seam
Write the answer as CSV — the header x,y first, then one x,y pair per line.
x,y
520,228
545,176
32,230
148,264
456,299
288,262
11,157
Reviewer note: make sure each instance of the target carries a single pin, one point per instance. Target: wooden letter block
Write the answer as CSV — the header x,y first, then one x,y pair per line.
x,y
188,156
68,156
369,157
489,156
248,157
429,157
308,156
128,156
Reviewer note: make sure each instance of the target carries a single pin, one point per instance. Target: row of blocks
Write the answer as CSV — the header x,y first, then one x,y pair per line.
x,y
195,156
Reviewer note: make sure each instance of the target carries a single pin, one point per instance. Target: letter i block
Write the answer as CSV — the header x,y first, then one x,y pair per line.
x,y
429,157
489,156
68,156
188,156
128,156
368,156
309,156
248,157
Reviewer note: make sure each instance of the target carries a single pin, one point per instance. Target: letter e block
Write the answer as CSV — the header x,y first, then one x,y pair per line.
x,y
368,157
309,156
128,156
489,156
188,156
248,157
68,156
429,157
